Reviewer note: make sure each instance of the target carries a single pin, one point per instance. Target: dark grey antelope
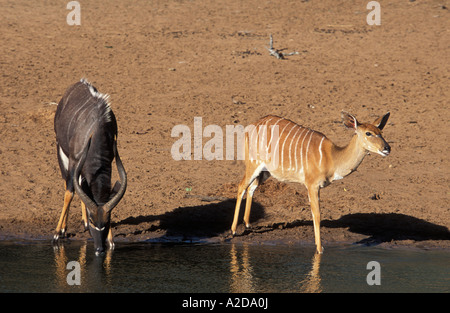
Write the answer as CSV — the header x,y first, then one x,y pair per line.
x,y
86,136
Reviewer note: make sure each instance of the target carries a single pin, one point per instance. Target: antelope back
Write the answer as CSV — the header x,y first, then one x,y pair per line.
x,y
82,112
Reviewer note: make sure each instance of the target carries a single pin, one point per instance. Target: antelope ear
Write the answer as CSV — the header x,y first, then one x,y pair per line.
x,y
381,121
349,120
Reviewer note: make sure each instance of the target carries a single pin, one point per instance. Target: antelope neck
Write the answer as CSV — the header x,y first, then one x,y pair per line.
x,y
347,159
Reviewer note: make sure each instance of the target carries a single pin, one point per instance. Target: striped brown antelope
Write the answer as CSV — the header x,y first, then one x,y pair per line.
x,y
305,156
86,136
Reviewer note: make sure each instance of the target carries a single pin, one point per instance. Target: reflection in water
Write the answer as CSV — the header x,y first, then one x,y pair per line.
x,y
251,268
241,270
96,275
243,278
60,268
233,267
312,281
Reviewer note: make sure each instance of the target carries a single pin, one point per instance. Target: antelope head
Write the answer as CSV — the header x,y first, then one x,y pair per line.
x,y
369,134
99,214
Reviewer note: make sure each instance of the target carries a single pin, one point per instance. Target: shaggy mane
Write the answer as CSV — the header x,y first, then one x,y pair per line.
x,y
103,99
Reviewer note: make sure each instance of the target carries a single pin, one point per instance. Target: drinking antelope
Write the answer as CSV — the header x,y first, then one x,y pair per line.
x,y
305,156
86,136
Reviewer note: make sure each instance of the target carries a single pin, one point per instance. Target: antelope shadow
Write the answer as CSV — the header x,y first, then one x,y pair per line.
x,y
384,227
200,221
215,219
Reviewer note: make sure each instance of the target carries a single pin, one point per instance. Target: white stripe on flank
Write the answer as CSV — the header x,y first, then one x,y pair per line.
x,y
296,144
262,138
265,140
301,150
267,122
290,147
83,107
320,151
252,148
282,149
307,149
257,139
278,141
272,127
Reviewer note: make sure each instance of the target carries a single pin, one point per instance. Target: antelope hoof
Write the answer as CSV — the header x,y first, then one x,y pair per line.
x,y
56,238
319,250
99,251
59,235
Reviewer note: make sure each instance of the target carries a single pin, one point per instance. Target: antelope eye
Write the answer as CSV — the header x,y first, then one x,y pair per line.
x,y
368,134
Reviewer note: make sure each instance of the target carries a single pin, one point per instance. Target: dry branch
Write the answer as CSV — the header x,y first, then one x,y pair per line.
x,y
277,52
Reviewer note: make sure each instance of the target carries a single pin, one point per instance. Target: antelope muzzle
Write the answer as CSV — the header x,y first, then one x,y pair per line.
x,y
99,228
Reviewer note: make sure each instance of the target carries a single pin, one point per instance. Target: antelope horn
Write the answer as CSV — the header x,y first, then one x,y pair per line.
x,y
84,197
123,182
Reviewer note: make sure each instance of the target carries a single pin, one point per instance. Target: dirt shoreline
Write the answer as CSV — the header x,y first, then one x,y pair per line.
x,y
166,62
345,231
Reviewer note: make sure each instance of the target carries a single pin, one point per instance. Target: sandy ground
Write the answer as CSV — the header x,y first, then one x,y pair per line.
x,y
166,62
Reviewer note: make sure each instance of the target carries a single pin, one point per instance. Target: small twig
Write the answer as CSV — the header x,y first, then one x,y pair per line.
x,y
277,52
291,53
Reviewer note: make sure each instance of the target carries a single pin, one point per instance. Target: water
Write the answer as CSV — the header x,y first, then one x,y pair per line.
x,y
224,268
